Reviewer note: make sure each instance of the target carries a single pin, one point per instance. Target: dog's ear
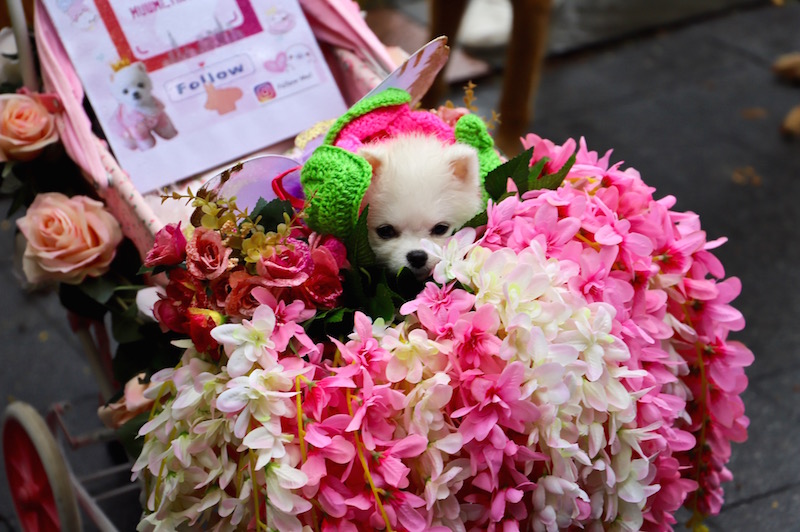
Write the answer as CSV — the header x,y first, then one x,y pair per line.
x,y
463,162
375,156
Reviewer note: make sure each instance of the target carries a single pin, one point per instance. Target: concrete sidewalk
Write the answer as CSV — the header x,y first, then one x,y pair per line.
x,y
696,110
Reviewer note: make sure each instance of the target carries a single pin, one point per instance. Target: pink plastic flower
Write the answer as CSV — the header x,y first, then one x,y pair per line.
x,y
206,255
169,248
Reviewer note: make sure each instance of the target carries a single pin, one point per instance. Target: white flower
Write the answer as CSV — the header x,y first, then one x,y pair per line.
x,y
411,351
248,342
263,393
451,254
267,445
281,478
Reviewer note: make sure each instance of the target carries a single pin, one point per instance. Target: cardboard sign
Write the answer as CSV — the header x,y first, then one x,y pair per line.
x,y
183,86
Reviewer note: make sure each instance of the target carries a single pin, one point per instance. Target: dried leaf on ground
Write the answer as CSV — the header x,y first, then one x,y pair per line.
x,y
791,124
787,66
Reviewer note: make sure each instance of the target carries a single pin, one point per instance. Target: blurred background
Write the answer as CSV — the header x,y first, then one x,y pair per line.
x,y
682,90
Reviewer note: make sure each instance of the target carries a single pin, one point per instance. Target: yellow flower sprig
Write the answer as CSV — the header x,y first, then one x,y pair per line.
x,y
239,230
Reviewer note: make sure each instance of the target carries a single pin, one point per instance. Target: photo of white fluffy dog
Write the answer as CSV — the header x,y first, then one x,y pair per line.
x,y
421,188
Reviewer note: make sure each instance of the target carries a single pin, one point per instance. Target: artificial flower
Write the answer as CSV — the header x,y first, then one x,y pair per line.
x,y
68,239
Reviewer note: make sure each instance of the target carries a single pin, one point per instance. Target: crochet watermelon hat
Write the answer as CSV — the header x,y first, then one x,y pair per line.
x,y
335,178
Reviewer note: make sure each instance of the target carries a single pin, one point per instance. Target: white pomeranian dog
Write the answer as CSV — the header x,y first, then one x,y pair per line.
x,y
421,188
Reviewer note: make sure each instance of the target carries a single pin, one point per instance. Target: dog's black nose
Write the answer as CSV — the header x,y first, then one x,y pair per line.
x,y
136,95
417,258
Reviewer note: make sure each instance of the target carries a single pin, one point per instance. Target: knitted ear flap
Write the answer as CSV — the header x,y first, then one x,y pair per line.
x,y
471,130
335,181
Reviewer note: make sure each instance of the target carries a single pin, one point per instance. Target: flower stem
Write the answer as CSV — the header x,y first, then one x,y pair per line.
x,y
365,467
256,504
156,497
697,517
582,238
301,435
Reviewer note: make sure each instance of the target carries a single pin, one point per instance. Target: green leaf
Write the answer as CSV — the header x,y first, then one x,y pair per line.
x,y
517,169
150,353
125,325
406,286
335,322
76,300
480,219
552,181
382,305
535,172
359,252
154,270
17,203
271,213
335,315
98,288
144,270
11,183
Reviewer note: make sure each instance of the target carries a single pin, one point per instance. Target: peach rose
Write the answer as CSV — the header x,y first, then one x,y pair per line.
x,y
26,127
131,404
68,238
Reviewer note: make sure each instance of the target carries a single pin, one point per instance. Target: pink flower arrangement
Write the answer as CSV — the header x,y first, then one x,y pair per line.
x,y
567,367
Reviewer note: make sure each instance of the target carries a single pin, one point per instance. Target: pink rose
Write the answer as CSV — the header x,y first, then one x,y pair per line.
x,y
169,247
26,127
335,246
240,301
291,267
68,238
206,255
324,287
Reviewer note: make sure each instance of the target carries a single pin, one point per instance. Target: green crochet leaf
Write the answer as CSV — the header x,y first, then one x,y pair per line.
x,y
471,130
335,182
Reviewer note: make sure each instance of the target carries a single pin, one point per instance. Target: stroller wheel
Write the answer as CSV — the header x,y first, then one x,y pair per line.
x,y
38,476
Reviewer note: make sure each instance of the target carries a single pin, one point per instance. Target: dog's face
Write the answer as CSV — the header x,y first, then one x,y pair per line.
x,y
421,189
132,86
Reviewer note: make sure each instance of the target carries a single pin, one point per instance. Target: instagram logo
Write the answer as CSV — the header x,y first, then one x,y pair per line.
x,y
265,92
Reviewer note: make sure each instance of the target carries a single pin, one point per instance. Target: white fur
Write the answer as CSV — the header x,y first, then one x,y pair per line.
x,y
417,183
132,88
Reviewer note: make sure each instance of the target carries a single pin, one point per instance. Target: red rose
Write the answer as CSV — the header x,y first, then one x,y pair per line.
x,y
201,322
183,288
220,290
169,248
291,267
206,255
323,288
171,316
240,301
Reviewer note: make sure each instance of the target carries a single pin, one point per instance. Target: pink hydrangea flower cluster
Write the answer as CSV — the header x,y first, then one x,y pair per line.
x,y
567,367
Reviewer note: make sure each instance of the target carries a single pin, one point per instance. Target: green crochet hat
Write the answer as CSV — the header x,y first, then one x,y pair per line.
x,y
335,178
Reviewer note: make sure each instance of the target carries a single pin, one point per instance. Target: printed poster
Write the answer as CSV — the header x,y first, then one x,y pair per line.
x,y
183,86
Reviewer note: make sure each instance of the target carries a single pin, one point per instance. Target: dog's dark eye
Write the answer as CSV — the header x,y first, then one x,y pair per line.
x,y
124,91
440,229
140,85
386,232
